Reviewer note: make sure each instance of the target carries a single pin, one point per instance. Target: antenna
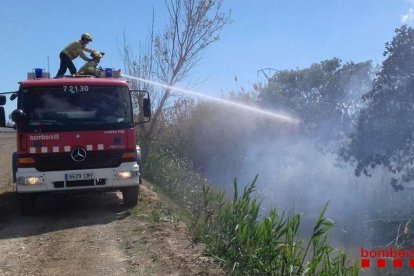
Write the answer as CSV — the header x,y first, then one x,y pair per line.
x,y
48,67
263,71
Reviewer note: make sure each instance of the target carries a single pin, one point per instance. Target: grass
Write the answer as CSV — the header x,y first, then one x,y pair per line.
x,y
237,236
7,195
247,244
6,185
149,218
174,176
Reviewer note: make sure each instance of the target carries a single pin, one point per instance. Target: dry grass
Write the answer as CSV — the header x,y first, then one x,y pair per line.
x,y
7,147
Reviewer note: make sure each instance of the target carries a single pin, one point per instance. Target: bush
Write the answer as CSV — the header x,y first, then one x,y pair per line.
x,y
174,175
248,245
234,232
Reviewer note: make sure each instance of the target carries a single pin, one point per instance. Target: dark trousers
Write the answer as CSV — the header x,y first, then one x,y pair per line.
x,y
65,63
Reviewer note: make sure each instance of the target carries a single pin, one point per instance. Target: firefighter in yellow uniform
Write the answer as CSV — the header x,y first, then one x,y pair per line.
x,y
71,52
90,67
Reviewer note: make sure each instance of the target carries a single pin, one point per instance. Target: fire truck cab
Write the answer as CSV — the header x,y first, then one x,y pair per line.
x,y
76,134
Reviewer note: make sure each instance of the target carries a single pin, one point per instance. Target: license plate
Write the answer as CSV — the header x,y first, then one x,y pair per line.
x,y
79,176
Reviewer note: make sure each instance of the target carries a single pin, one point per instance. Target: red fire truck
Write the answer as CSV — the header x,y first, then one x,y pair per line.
x,y
76,134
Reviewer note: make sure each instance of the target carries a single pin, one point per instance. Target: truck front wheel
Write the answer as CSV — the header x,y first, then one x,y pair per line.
x,y
130,195
14,166
27,204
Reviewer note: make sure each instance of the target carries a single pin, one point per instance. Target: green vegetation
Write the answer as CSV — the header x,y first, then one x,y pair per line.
x,y
249,245
174,176
383,137
236,234
326,96
358,111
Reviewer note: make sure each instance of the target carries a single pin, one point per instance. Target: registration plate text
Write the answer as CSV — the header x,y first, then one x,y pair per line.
x,y
79,176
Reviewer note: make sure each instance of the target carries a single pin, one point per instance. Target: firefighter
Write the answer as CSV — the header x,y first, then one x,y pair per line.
x,y
72,51
90,67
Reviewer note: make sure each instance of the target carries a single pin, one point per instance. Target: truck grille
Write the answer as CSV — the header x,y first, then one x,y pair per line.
x,y
63,161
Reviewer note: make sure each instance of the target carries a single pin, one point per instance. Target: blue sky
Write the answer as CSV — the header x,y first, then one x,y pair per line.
x,y
280,34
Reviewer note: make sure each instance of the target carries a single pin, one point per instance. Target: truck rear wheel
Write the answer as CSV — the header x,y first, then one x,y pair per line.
x,y
27,204
130,195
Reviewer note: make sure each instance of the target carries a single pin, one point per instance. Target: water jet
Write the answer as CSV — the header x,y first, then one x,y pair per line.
x,y
266,113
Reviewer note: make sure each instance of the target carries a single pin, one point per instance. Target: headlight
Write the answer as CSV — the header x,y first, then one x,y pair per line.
x,y
30,180
126,175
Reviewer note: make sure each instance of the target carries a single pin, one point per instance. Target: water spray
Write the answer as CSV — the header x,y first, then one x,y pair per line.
x,y
267,113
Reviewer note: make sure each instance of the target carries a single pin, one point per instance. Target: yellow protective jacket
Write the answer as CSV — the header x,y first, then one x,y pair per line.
x,y
75,49
89,68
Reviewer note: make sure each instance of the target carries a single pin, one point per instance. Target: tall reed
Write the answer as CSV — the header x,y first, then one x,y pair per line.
x,y
247,244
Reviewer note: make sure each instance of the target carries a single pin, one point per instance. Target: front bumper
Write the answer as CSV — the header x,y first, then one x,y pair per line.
x,y
127,174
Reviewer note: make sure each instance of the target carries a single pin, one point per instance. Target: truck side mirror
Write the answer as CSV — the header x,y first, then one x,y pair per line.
x,y
2,113
146,106
13,96
145,110
2,100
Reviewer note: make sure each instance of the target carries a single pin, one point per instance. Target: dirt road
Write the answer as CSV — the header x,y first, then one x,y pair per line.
x,y
94,234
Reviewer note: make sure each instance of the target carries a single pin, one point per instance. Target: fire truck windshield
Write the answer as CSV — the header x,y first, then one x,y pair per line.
x,y
67,108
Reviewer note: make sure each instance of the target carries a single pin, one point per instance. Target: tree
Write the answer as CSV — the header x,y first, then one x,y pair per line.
x,y
385,132
326,96
192,27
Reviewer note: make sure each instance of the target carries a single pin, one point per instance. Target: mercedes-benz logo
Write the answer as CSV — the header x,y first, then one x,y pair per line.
x,y
78,154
